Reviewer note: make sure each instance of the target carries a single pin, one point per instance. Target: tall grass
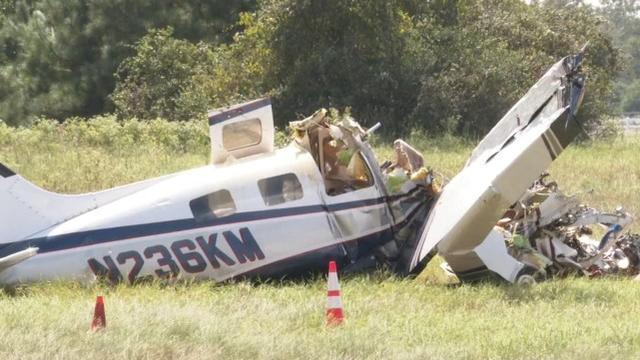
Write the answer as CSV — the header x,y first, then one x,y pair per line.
x,y
81,156
387,317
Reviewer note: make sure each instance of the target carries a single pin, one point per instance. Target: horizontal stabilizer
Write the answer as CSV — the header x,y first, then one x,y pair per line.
x,y
13,259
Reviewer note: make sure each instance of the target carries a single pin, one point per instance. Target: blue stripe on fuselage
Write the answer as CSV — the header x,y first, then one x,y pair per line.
x,y
101,236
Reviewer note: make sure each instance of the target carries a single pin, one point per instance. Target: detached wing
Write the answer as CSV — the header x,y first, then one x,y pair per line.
x,y
503,166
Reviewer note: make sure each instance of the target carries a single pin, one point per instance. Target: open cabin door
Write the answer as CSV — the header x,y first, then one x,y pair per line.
x,y
241,130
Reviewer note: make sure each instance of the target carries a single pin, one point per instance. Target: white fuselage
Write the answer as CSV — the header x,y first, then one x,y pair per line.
x,y
153,232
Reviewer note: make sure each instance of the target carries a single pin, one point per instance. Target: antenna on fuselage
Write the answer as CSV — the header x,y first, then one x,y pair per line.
x,y
374,128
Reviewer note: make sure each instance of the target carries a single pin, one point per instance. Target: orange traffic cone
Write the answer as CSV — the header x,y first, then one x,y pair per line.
x,y
335,313
99,318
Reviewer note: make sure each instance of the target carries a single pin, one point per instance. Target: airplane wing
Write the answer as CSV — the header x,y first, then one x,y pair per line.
x,y
502,167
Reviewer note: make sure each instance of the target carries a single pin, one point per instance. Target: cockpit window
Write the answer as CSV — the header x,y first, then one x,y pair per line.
x,y
241,134
280,189
337,150
344,169
212,206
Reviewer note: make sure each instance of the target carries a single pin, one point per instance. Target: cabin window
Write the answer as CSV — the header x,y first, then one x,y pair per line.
x,y
280,189
344,169
212,206
242,134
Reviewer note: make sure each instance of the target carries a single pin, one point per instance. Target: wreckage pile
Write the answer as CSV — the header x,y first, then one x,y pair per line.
x,y
556,235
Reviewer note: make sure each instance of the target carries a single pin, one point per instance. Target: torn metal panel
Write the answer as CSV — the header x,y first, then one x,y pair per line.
x,y
494,254
555,236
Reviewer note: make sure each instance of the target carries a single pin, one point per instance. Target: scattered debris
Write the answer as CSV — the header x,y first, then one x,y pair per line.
x,y
557,235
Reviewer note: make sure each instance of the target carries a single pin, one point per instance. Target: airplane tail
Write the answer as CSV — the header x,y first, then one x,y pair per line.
x,y
26,209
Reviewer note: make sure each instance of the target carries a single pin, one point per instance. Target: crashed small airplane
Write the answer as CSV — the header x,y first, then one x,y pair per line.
x,y
257,211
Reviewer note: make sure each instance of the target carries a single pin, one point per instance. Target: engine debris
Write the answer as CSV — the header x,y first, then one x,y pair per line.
x,y
557,235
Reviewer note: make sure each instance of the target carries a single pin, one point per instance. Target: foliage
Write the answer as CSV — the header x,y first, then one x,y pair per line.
x,y
445,66
497,49
624,26
179,80
630,101
339,54
58,59
153,83
107,132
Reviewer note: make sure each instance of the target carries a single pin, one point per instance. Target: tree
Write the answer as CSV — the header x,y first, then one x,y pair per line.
x,y
179,80
60,57
499,49
153,82
445,66
336,53
631,97
624,26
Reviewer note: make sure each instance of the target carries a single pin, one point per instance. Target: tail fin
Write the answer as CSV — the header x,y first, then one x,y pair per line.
x,y
26,209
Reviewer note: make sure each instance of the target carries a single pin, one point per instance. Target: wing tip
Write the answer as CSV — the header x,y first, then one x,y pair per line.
x,y
5,172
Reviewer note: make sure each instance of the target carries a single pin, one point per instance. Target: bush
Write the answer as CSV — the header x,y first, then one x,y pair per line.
x,y
631,98
107,132
446,66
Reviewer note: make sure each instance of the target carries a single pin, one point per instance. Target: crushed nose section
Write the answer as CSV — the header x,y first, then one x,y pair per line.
x,y
5,172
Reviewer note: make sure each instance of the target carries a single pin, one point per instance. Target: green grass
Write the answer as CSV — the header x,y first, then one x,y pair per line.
x,y
387,317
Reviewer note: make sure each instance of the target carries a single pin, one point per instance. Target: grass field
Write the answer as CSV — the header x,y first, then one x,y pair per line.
x,y
387,317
